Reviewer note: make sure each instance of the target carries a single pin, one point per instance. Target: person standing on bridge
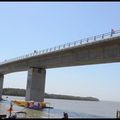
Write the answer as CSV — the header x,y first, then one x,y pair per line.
x,y
112,32
35,51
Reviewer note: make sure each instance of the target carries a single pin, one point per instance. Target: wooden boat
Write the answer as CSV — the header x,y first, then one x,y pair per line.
x,y
30,104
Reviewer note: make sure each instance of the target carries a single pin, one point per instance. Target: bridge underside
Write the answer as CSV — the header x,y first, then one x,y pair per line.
x,y
106,51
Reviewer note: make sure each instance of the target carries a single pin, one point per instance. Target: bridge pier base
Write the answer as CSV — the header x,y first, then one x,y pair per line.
x,y
35,84
1,85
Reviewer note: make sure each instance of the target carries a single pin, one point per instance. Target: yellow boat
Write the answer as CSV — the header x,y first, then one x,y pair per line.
x,y
30,104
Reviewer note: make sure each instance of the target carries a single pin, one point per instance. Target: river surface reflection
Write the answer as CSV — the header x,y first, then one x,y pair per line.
x,y
74,108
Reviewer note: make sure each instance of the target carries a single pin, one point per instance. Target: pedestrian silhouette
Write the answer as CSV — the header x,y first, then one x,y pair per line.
x,y
65,115
112,32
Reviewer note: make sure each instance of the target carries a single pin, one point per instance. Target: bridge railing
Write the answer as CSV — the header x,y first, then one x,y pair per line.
x,y
67,45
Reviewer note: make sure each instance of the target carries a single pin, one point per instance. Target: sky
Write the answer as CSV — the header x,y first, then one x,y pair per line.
x,y
29,26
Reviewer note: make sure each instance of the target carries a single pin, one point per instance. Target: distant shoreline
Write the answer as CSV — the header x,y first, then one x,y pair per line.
x,y
21,92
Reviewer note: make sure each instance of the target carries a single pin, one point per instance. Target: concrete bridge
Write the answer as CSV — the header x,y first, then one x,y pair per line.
x,y
104,48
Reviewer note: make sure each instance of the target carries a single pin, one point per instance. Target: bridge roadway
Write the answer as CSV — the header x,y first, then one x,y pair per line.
x,y
106,50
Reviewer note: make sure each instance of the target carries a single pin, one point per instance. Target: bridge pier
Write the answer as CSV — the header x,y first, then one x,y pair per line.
x,y
1,85
35,84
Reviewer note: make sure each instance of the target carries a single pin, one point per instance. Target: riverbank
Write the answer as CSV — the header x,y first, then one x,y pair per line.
x,y
21,92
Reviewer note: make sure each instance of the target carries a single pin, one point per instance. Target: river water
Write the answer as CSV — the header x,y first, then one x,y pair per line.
x,y
74,108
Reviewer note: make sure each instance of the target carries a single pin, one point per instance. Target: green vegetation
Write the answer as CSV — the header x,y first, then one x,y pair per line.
x,y
21,92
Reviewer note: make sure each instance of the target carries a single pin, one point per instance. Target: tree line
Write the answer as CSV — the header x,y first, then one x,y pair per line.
x,y
22,92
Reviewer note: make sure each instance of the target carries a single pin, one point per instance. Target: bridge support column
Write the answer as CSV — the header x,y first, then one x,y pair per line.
x,y
1,85
35,84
